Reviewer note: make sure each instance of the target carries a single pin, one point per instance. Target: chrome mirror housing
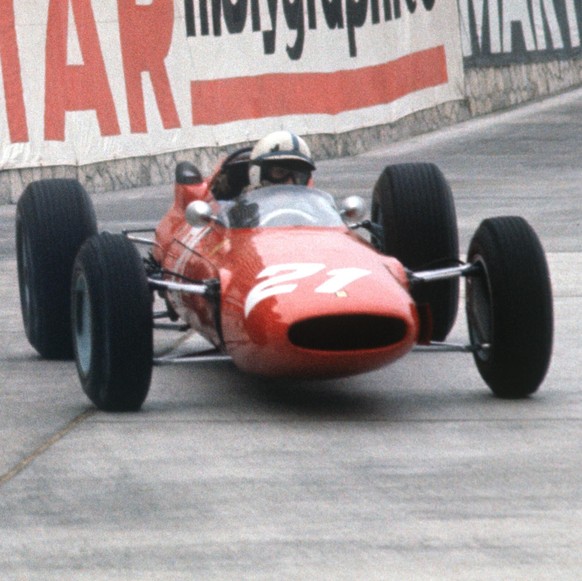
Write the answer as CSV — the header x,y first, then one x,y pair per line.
x,y
353,209
199,213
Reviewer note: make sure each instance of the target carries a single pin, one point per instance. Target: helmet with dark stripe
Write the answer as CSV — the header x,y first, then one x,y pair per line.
x,y
280,157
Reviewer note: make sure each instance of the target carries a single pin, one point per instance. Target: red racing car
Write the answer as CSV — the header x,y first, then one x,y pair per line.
x,y
281,280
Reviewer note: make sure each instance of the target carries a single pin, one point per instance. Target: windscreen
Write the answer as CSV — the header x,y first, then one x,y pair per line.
x,y
285,205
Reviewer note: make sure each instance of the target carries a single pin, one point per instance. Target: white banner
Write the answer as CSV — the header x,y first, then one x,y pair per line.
x,y
83,81
504,32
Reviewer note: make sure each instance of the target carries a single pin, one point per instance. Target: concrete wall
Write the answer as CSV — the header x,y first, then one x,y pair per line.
x,y
487,89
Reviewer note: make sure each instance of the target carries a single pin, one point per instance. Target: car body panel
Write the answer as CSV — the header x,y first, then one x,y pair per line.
x,y
304,300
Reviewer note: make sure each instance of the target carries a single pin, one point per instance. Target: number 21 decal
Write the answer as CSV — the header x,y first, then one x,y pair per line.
x,y
280,279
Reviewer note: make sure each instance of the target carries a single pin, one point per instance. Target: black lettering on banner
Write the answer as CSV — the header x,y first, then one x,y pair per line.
x,y
375,11
312,19
269,35
500,32
216,17
293,10
356,12
233,15
333,12
189,15
397,11
255,15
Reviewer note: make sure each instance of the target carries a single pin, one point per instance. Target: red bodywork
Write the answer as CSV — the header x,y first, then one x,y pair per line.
x,y
293,301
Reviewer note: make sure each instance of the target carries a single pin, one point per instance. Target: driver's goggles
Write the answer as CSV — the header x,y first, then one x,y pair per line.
x,y
278,174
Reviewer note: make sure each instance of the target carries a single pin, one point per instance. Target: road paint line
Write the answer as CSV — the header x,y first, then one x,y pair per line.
x,y
44,447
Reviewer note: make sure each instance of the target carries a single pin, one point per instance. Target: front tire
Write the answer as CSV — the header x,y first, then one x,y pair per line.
x,y
112,323
414,205
509,306
53,219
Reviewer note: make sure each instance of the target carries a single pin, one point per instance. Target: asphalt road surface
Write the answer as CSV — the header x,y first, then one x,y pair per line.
x,y
412,472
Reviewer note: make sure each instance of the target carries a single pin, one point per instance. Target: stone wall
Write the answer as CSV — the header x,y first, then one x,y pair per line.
x,y
487,89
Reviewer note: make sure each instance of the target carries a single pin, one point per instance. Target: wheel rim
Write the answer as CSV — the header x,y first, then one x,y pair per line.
x,y
479,311
82,324
26,269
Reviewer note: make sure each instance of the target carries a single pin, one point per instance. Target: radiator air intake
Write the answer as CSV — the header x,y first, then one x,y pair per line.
x,y
347,332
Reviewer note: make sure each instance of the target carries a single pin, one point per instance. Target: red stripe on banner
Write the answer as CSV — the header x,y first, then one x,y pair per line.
x,y
274,95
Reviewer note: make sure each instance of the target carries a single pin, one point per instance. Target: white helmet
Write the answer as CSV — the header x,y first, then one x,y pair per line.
x,y
278,157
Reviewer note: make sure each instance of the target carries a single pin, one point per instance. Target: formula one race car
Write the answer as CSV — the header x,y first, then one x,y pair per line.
x,y
280,281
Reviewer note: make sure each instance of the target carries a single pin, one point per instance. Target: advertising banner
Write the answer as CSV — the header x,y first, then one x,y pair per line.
x,y
83,81
499,32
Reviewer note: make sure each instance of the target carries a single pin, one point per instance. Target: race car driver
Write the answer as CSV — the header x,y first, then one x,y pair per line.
x,y
281,157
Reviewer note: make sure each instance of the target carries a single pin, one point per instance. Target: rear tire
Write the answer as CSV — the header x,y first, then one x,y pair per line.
x,y
509,306
414,205
112,323
53,219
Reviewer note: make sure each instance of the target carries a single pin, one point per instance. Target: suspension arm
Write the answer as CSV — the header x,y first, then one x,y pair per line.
x,y
443,273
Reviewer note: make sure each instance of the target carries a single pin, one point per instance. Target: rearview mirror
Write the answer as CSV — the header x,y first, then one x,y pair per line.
x,y
199,213
353,209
